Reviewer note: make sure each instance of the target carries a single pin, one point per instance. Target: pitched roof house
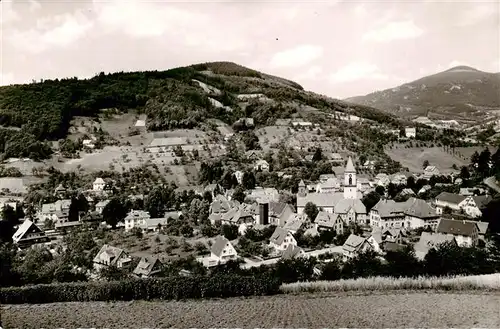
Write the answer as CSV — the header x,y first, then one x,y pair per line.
x,y
261,165
470,205
99,184
222,251
295,222
355,245
147,267
328,221
111,256
412,213
431,240
466,233
292,252
430,171
281,239
450,200
279,213
473,205
136,218
28,233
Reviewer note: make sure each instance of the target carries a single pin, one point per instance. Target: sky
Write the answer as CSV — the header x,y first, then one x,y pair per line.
x,y
336,48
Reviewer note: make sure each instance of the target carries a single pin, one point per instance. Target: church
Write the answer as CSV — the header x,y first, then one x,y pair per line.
x,y
346,203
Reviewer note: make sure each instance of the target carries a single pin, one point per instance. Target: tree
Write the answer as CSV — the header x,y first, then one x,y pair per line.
x,y
73,210
483,164
250,140
229,231
464,173
425,164
474,159
229,180
239,194
112,273
402,263
392,190
410,182
380,190
207,196
10,215
318,155
155,203
248,180
114,212
311,210
370,200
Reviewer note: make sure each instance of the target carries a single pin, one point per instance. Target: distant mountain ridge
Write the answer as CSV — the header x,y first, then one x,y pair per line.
x,y
462,93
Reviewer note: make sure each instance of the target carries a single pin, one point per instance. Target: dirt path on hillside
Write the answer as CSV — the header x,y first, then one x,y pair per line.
x,y
376,310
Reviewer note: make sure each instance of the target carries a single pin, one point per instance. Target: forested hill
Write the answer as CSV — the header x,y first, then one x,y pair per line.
x,y
177,98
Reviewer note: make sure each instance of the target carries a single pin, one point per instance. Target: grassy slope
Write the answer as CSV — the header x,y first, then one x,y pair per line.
x,y
169,98
380,310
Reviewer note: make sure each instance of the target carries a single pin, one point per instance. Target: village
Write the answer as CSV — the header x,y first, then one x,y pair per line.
x,y
337,217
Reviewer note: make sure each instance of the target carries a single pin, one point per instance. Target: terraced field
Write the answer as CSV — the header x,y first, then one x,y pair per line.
x,y
374,310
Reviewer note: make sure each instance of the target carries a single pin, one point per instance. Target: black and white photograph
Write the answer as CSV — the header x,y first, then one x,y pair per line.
x,y
249,164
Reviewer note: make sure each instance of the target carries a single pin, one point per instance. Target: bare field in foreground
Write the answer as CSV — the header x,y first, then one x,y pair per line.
x,y
376,310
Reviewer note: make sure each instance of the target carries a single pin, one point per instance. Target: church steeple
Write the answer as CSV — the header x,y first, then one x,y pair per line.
x,y
349,168
350,183
302,189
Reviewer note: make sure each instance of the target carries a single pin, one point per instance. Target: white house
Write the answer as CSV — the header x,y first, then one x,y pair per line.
x,y
329,221
99,184
239,176
281,239
450,200
147,267
473,205
410,132
466,233
88,143
430,171
111,256
413,213
57,211
221,252
99,207
28,234
136,218
355,245
261,165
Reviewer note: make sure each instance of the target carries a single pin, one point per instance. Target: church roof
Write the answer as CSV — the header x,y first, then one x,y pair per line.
x,y
350,166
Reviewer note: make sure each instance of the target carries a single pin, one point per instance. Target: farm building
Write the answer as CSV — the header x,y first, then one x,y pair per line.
x,y
29,234
166,144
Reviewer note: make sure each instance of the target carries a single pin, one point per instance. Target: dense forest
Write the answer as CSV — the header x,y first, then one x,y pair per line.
x,y
171,99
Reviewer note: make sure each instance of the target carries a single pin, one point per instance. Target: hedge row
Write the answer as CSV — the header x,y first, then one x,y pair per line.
x,y
145,289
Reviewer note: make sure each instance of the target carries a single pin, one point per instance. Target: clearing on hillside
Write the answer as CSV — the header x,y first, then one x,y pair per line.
x,y
385,310
414,157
